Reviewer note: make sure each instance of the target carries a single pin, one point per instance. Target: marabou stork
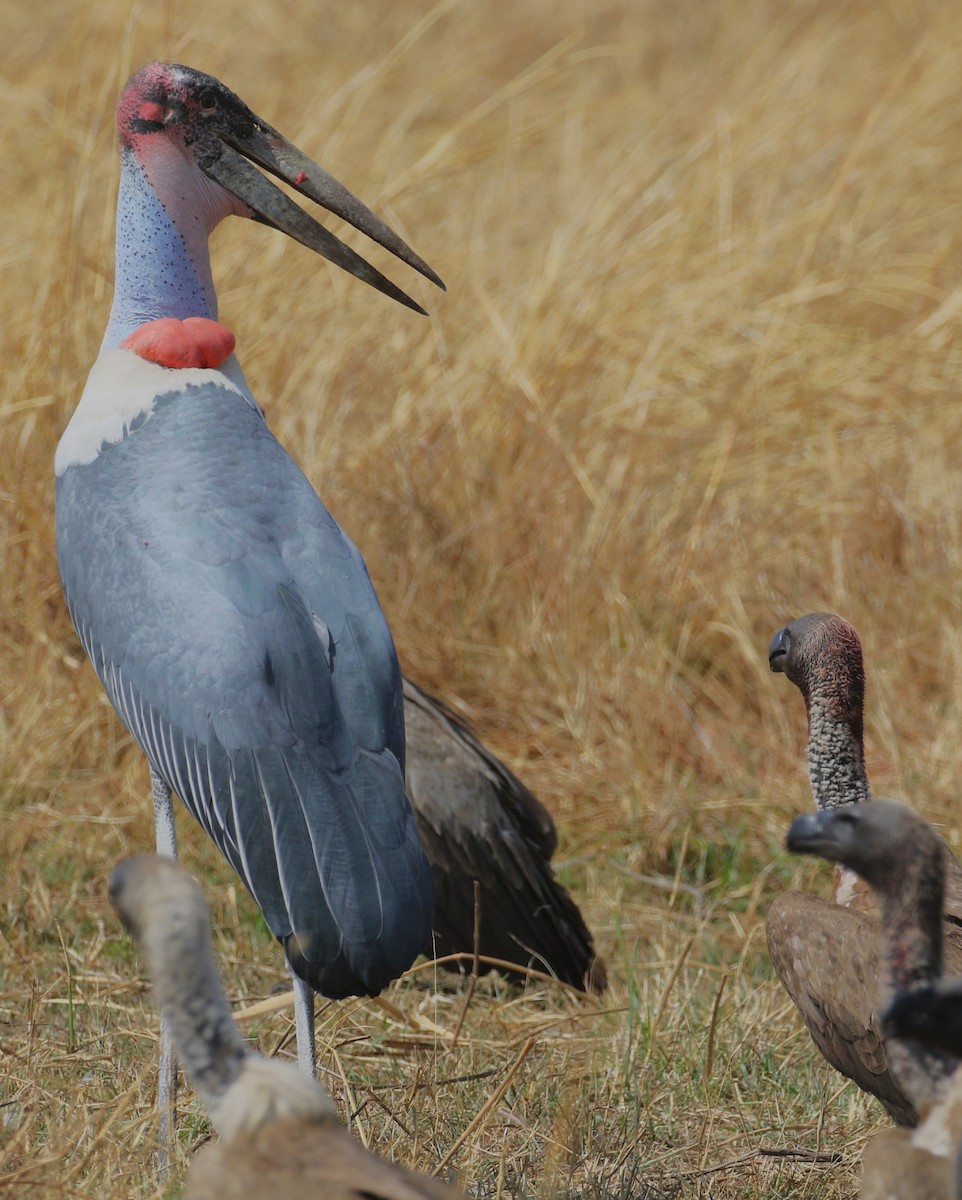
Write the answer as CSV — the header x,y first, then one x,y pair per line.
x,y
231,622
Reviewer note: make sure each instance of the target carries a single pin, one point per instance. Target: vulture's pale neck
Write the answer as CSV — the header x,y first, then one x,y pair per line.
x,y
912,920
911,904
242,1090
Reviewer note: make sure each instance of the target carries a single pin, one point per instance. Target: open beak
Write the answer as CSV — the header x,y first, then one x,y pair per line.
x,y
225,159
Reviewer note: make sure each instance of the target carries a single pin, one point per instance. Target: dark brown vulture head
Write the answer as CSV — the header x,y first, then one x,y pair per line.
x,y
822,655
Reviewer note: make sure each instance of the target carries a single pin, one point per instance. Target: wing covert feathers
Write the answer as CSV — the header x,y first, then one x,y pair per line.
x,y
829,960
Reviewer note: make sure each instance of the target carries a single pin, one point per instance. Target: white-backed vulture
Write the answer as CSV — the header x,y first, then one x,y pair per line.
x,y
822,655
279,1134
903,860
477,821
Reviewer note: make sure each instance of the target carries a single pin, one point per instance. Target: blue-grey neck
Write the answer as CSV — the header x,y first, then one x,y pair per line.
x,y
157,273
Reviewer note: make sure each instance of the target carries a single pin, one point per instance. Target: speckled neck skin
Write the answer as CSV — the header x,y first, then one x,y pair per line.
x,y
836,759
162,257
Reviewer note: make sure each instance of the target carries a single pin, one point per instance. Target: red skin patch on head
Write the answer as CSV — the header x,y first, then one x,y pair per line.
x,y
194,342
300,177
143,99
149,111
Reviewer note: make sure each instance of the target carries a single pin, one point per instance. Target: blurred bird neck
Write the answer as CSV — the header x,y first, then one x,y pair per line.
x,y
836,761
912,921
189,993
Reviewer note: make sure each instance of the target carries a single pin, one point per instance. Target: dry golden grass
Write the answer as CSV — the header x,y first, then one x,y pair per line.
x,y
697,372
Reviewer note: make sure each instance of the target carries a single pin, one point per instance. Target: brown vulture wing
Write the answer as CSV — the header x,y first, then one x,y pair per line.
x,y
478,821
829,960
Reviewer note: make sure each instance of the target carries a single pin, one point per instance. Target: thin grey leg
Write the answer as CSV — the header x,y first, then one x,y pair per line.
x,y
304,1026
164,829
166,836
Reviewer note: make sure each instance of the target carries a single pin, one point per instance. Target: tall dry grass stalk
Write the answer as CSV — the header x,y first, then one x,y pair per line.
x,y
696,373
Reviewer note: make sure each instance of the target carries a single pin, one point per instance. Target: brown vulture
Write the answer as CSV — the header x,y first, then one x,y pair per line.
x,y
903,860
930,1014
822,655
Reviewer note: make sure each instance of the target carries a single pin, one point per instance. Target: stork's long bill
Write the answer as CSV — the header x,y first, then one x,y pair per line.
x,y
166,106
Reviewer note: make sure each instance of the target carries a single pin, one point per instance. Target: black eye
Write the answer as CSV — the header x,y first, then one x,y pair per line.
x,y
207,101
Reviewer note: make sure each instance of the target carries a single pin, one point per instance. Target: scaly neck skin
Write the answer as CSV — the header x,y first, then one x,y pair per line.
x,y
189,994
836,760
166,211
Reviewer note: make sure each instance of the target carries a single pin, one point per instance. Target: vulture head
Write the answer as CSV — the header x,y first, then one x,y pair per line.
x,y
880,840
822,655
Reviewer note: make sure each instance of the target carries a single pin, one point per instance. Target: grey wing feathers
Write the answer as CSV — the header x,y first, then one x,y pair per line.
x,y
237,633
477,821
328,861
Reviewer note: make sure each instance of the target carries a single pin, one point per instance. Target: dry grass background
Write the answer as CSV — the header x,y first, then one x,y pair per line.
x,y
697,372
